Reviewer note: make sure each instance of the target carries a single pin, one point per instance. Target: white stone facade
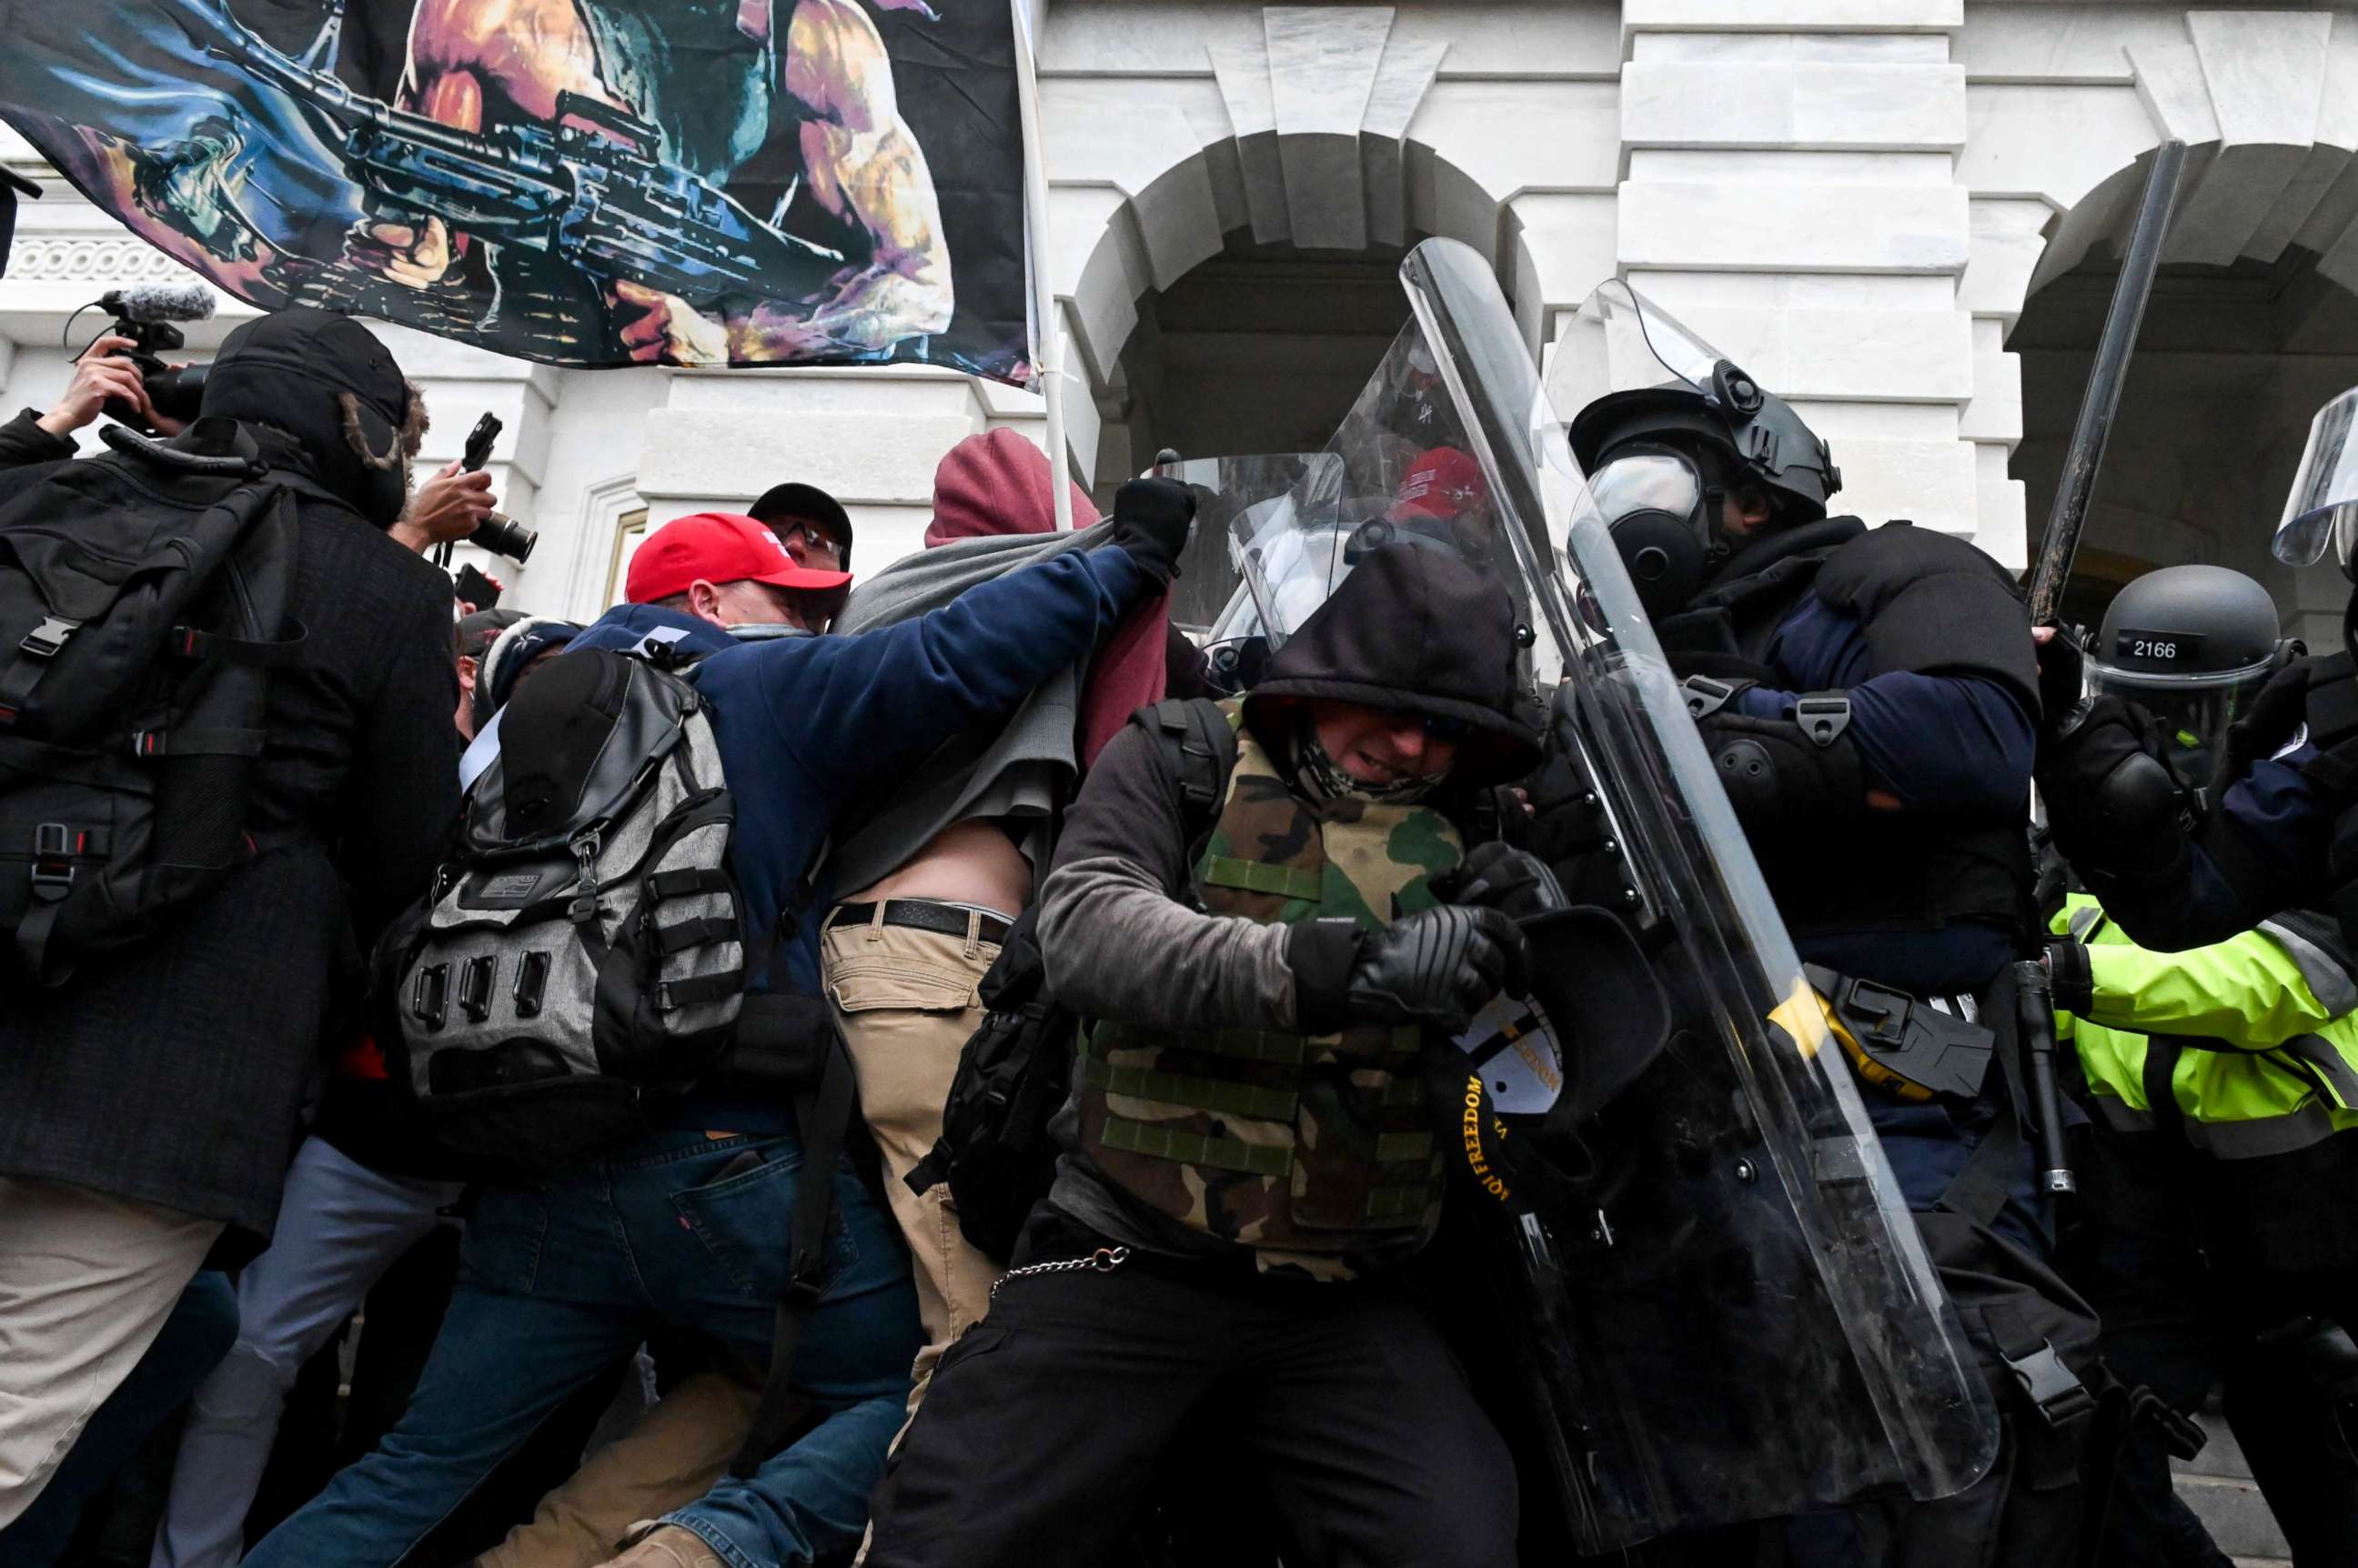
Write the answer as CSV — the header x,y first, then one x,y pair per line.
x,y
1857,200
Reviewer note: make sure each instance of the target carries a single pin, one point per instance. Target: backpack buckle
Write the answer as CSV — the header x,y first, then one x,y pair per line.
x,y
48,640
52,869
2055,1390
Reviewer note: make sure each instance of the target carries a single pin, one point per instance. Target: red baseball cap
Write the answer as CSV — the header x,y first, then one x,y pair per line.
x,y
717,547
1442,483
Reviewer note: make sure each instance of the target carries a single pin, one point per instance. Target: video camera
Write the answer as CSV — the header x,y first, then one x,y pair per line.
x,y
146,314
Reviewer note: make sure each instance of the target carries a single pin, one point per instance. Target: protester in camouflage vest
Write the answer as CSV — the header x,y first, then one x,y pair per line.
x,y
1249,1146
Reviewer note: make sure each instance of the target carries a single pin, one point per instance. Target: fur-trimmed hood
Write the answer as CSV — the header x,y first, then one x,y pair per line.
x,y
517,647
326,382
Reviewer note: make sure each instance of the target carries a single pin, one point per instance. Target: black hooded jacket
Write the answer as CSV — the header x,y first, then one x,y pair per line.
x,y
1410,629
173,1072
1416,630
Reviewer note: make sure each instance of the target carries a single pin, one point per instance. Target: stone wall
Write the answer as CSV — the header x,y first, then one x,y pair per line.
x,y
1854,198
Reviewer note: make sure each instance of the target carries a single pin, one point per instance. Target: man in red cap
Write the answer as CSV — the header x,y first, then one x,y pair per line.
x,y
731,570
560,1280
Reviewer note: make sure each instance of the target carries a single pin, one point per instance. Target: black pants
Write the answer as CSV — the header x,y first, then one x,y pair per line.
x,y
2178,1324
1051,1424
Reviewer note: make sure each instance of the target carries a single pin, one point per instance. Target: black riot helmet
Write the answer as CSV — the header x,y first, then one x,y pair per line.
x,y
1660,453
2192,645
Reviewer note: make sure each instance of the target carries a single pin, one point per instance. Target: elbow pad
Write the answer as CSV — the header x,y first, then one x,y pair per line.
x,y
1780,769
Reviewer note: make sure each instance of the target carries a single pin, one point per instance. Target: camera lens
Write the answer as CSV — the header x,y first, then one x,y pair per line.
x,y
178,394
504,536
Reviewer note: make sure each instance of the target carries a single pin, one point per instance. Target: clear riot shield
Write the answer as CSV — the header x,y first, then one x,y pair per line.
x,y
1398,470
1731,1315
1247,508
2321,508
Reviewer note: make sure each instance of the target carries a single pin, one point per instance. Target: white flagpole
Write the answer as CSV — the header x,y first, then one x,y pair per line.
x,y
1048,345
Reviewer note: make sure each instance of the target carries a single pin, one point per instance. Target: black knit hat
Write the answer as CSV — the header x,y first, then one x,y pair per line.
x,y
1414,630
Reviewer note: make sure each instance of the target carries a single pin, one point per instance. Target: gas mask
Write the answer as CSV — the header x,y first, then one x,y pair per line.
x,y
1664,516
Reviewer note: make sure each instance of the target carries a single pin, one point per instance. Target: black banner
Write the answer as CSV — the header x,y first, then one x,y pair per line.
x,y
583,182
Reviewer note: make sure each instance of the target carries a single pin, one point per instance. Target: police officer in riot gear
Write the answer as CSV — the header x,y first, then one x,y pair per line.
x,y
2273,826
2192,647
1869,699
2151,788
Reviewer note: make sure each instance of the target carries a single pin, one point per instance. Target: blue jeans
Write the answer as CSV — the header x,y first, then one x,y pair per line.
x,y
558,1281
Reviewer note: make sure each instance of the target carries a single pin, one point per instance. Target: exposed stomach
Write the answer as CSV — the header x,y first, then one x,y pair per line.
x,y
968,863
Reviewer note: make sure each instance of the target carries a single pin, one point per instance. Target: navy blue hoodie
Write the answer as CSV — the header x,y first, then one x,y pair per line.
x,y
806,723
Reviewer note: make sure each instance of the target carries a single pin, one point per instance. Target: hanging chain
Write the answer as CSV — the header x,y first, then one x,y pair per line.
x,y
1104,1260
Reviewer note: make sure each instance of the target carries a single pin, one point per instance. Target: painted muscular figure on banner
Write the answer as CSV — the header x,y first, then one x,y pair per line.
x,y
580,181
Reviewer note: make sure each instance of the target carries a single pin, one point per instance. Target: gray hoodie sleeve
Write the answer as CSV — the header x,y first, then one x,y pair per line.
x,y
1116,936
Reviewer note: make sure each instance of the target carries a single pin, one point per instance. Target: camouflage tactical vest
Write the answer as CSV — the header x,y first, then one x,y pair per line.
x,y
1316,1150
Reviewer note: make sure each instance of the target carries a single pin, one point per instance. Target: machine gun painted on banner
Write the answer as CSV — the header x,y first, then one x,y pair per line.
x,y
583,189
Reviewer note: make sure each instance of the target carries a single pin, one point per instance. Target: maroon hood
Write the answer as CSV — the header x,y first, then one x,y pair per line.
x,y
997,484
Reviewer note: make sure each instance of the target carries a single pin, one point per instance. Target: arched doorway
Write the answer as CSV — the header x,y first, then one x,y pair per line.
x,y
2235,357
1225,261
1259,349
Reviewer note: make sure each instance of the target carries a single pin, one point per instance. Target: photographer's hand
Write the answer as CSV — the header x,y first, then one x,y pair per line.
x,y
97,376
451,505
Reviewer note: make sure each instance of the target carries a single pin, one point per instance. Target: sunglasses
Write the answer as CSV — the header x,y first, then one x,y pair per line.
x,y
814,539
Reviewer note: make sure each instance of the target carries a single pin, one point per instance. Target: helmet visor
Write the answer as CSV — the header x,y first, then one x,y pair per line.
x,y
2322,508
2192,711
1620,341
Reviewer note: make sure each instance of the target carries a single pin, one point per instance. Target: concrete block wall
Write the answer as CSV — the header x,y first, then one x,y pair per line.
x,y
1791,196
1854,198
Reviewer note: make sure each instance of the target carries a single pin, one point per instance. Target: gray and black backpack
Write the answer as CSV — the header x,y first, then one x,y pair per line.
x,y
583,958
583,950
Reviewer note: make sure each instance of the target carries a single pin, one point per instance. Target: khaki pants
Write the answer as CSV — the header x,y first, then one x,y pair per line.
x,y
907,1002
86,1282
668,1460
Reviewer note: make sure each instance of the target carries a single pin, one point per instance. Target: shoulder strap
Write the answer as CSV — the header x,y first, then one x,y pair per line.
x,y
823,1115
1986,1180
1199,747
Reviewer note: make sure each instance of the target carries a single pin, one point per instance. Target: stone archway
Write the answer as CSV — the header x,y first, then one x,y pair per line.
x,y
2252,322
1321,137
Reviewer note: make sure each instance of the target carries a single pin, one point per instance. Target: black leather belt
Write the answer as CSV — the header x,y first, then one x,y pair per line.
x,y
919,915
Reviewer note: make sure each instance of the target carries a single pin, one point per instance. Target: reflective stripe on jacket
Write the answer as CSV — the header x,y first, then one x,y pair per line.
x,y
2265,1027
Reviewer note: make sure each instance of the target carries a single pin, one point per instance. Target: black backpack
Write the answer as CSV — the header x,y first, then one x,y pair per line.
x,y
144,598
1016,1070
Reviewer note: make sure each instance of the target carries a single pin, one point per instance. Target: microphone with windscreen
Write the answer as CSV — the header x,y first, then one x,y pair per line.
x,y
156,303
146,313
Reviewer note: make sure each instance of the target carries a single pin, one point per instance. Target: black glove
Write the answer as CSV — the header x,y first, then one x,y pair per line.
x,y
2114,801
1437,967
1151,517
1495,876
2071,979
2063,665
2266,727
1500,813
